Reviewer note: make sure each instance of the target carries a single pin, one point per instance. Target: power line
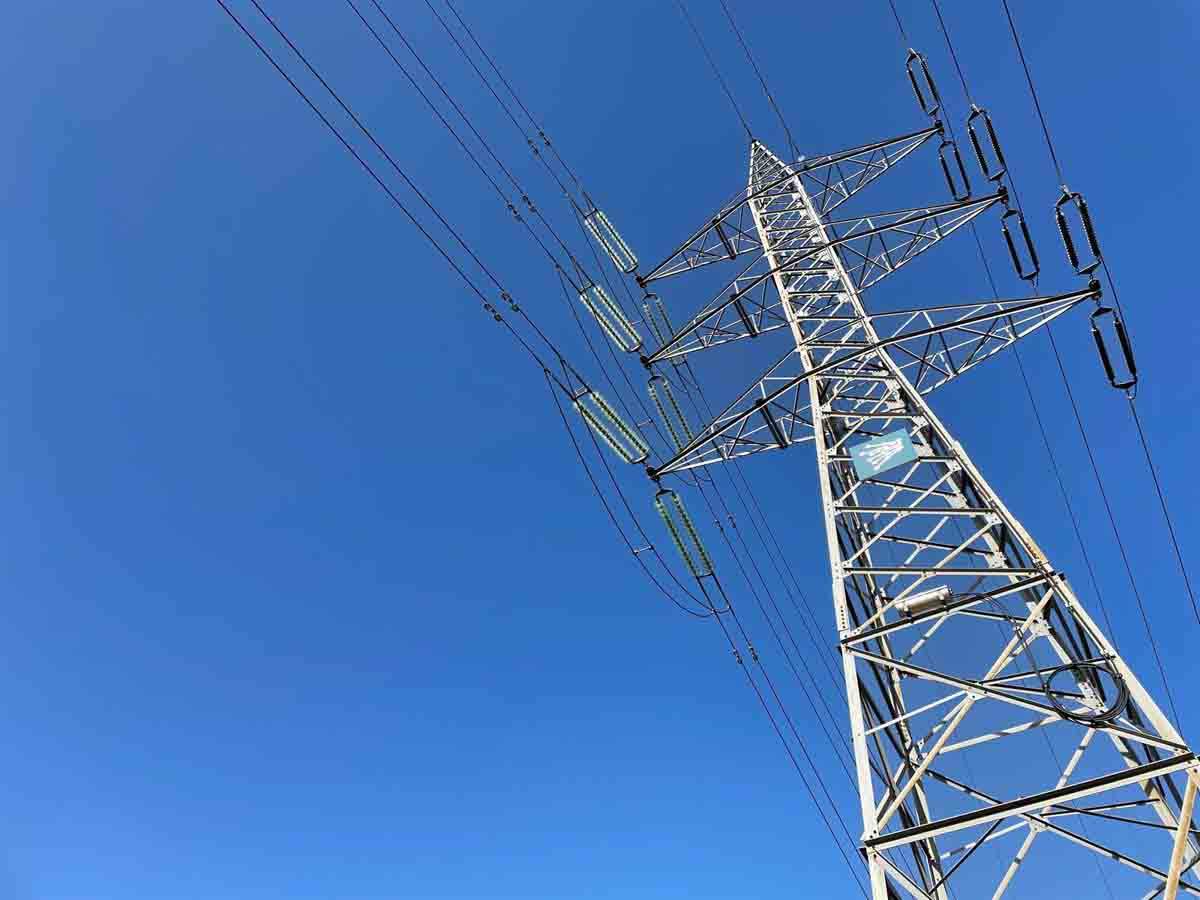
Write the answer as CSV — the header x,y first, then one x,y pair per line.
x,y
378,146
1087,446
617,393
1012,26
526,199
716,71
634,551
791,755
899,23
1130,391
499,100
1033,404
394,198
504,198
761,79
1084,435
540,130
953,55
650,418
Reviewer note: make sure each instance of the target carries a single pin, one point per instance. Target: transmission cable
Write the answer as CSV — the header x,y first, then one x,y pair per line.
x,y
1032,400
837,747
1130,393
1090,453
524,195
395,199
504,198
635,552
716,71
791,755
761,79
401,206
1012,26
1033,404
617,393
499,100
899,23
541,131
650,418
602,269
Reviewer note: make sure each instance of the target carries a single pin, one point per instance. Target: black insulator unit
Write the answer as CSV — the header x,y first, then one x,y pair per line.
x,y
1131,378
1026,265
772,424
994,168
953,169
1074,198
747,322
922,83
729,248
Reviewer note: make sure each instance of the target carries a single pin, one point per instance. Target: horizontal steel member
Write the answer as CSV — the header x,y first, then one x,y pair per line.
x,y
1033,802
952,606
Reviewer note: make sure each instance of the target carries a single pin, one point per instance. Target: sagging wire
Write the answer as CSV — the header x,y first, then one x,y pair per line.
x,y
1129,387
491,62
504,198
1082,432
710,575
838,747
761,80
713,65
634,551
599,303
1091,457
609,316
994,170
987,269
702,565
488,306
569,374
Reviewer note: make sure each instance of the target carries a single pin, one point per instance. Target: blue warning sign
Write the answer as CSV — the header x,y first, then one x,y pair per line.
x,y
882,453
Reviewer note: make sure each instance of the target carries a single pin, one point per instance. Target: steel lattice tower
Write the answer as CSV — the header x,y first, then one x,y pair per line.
x,y
957,635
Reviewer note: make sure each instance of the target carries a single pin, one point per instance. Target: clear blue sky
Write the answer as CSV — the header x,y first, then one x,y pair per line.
x,y
306,596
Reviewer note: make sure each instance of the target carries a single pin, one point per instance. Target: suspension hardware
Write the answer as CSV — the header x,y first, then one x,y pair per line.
x,y
610,240
1118,326
669,411
995,168
611,318
606,422
1075,199
952,168
670,509
1027,268
924,88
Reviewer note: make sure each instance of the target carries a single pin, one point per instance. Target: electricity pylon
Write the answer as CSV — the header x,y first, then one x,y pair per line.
x,y
959,640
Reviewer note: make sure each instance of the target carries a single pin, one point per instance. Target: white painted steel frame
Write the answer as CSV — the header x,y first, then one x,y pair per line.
x,y
889,538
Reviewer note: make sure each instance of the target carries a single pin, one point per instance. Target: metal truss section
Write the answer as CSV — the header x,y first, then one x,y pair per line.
x,y
931,345
832,179
753,304
961,644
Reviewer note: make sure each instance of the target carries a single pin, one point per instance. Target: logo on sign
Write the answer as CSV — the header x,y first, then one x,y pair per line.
x,y
882,453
